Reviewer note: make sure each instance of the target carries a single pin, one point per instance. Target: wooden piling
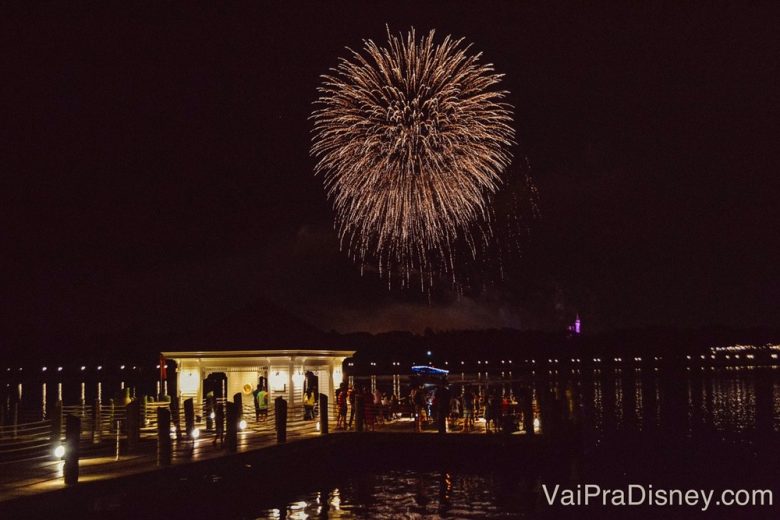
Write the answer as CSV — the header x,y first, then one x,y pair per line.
x,y
96,419
323,414
280,416
56,426
231,426
133,424
70,469
189,416
164,444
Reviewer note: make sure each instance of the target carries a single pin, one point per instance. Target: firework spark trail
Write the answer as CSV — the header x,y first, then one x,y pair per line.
x,y
412,142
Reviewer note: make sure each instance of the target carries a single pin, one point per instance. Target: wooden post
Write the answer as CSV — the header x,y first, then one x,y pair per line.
x,y
359,410
323,414
280,416
176,417
189,416
133,424
56,425
164,445
239,407
443,407
210,408
231,426
96,426
70,469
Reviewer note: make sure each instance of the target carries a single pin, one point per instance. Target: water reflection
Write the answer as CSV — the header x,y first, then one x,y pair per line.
x,y
719,401
603,401
410,494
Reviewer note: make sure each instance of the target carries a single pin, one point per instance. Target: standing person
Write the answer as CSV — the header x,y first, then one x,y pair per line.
x,y
418,398
351,399
489,409
454,411
261,403
341,400
308,405
220,420
498,413
468,410
211,406
256,402
369,410
385,408
378,406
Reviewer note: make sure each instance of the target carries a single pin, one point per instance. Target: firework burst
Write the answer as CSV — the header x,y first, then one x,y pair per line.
x,y
412,140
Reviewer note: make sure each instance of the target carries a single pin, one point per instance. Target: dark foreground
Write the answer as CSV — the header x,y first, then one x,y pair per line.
x,y
394,475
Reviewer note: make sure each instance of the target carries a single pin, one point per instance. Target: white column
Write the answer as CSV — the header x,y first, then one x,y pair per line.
x,y
331,385
290,390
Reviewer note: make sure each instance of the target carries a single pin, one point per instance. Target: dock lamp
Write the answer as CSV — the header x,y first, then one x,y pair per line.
x,y
195,433
59,451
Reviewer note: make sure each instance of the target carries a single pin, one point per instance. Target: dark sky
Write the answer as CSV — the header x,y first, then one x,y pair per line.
x,y
155,168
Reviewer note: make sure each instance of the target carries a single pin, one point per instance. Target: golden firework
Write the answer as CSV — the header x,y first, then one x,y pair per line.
x,y
412,140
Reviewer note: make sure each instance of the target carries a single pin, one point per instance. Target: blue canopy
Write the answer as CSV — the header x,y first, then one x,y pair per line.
x,y
429,371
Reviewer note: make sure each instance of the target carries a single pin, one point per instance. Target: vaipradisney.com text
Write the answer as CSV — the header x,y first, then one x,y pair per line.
x,y
648,495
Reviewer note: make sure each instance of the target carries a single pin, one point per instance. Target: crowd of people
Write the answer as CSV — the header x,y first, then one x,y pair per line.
x,y
500,410
376,407
461,409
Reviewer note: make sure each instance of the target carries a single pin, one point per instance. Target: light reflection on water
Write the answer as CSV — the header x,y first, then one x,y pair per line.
x,y
610,400
408,494
717,401
739,403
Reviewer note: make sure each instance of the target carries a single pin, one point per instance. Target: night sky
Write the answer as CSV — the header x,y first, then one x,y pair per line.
x,y
156,170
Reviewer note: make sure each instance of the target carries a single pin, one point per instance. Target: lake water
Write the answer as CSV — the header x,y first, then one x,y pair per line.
x,y
701,428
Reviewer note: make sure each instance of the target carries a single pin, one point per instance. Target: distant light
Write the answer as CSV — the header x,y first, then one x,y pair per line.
x,y
173,428
43,369
429,352
59,369
59,451
212,415
195,433
122,367
83,367
100,367
317,426
537,424
158,366
242,425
